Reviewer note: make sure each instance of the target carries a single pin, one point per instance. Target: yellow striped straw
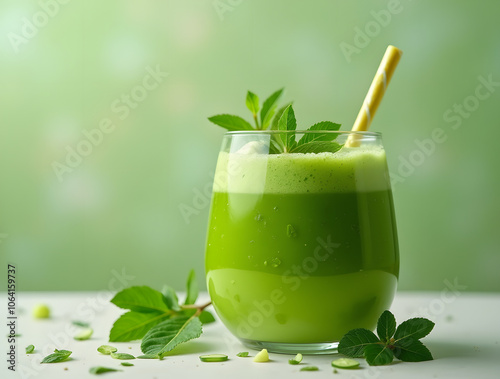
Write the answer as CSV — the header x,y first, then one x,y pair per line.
x,y
375,93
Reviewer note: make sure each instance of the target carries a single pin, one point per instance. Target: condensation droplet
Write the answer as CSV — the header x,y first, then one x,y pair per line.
x,y
275,262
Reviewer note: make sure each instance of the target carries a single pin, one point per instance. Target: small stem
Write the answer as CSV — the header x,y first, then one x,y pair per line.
x,y
199,308
256,121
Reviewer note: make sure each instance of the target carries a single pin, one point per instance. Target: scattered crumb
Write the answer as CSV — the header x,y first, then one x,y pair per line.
x,y
449,318
130,347
65,369
476,348
335,371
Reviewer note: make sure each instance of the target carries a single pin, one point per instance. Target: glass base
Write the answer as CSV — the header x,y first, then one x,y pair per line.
x,y
292,348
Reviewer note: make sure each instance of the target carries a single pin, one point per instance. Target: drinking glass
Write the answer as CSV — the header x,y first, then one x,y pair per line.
x,y
301,247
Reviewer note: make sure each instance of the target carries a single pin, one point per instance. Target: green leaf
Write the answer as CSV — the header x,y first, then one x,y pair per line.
x,y
378,354
323,125
386,326
317,147
81,323
242,354
106,349
165,336
147,356
414,328
84,334
30,349
309,368
134,325
268,108
355,341
192,288
206,317
170,298
287,122
98,370
277,116
140,299
122,356
57,356
127,364
252,102
412,350
230,122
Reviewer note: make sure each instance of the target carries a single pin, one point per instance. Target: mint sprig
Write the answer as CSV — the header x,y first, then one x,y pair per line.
x,y
282,119
158,318
401,342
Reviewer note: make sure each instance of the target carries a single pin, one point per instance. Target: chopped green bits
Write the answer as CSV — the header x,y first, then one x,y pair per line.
x,y
296,360
122,356
345,363
83,335
106,349
30,349
213,358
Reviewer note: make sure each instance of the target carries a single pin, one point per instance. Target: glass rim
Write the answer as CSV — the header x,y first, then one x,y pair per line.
x,y
339,132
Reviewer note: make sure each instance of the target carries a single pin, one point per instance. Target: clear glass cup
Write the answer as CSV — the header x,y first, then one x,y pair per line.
x,y
301,247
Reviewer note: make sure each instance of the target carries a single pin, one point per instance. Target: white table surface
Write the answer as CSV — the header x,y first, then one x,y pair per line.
x,y
465,342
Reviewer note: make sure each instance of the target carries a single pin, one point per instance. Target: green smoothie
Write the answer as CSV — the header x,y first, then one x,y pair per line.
x,y
301,247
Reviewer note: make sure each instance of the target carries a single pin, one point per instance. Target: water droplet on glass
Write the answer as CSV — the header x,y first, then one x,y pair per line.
x,y
265,263
232,282
275,262
275,209
258,217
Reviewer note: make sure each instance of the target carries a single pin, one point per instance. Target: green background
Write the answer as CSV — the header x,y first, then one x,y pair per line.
x,y
118,214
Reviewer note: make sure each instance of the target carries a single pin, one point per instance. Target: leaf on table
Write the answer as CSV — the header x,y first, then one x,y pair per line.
x,y
165,336
386,326
354,342
134,325
412,350
170,298
191,288
414,328
140,299
378,354
57,356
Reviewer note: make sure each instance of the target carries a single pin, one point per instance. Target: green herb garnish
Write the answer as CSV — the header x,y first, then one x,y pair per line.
x,y
106,349
158,318
213,358
127,364
122,356
309,368
402,343
57,356
30,349
296,360
242,354
101,370
284,120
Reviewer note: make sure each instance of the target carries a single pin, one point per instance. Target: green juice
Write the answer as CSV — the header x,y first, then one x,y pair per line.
x,y
301,247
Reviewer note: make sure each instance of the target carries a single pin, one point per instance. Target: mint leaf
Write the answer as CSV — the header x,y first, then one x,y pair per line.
x,y
412,350
84,334
122,356
414,328
279,113
134,325
206,317
30,349
386,326
127,364
140,299
252,102
165,336
317,147
170,298
323,125
230,122
268,108
192,288
287,122
106,349
98,370
57,356
355,341
378,354
81,323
